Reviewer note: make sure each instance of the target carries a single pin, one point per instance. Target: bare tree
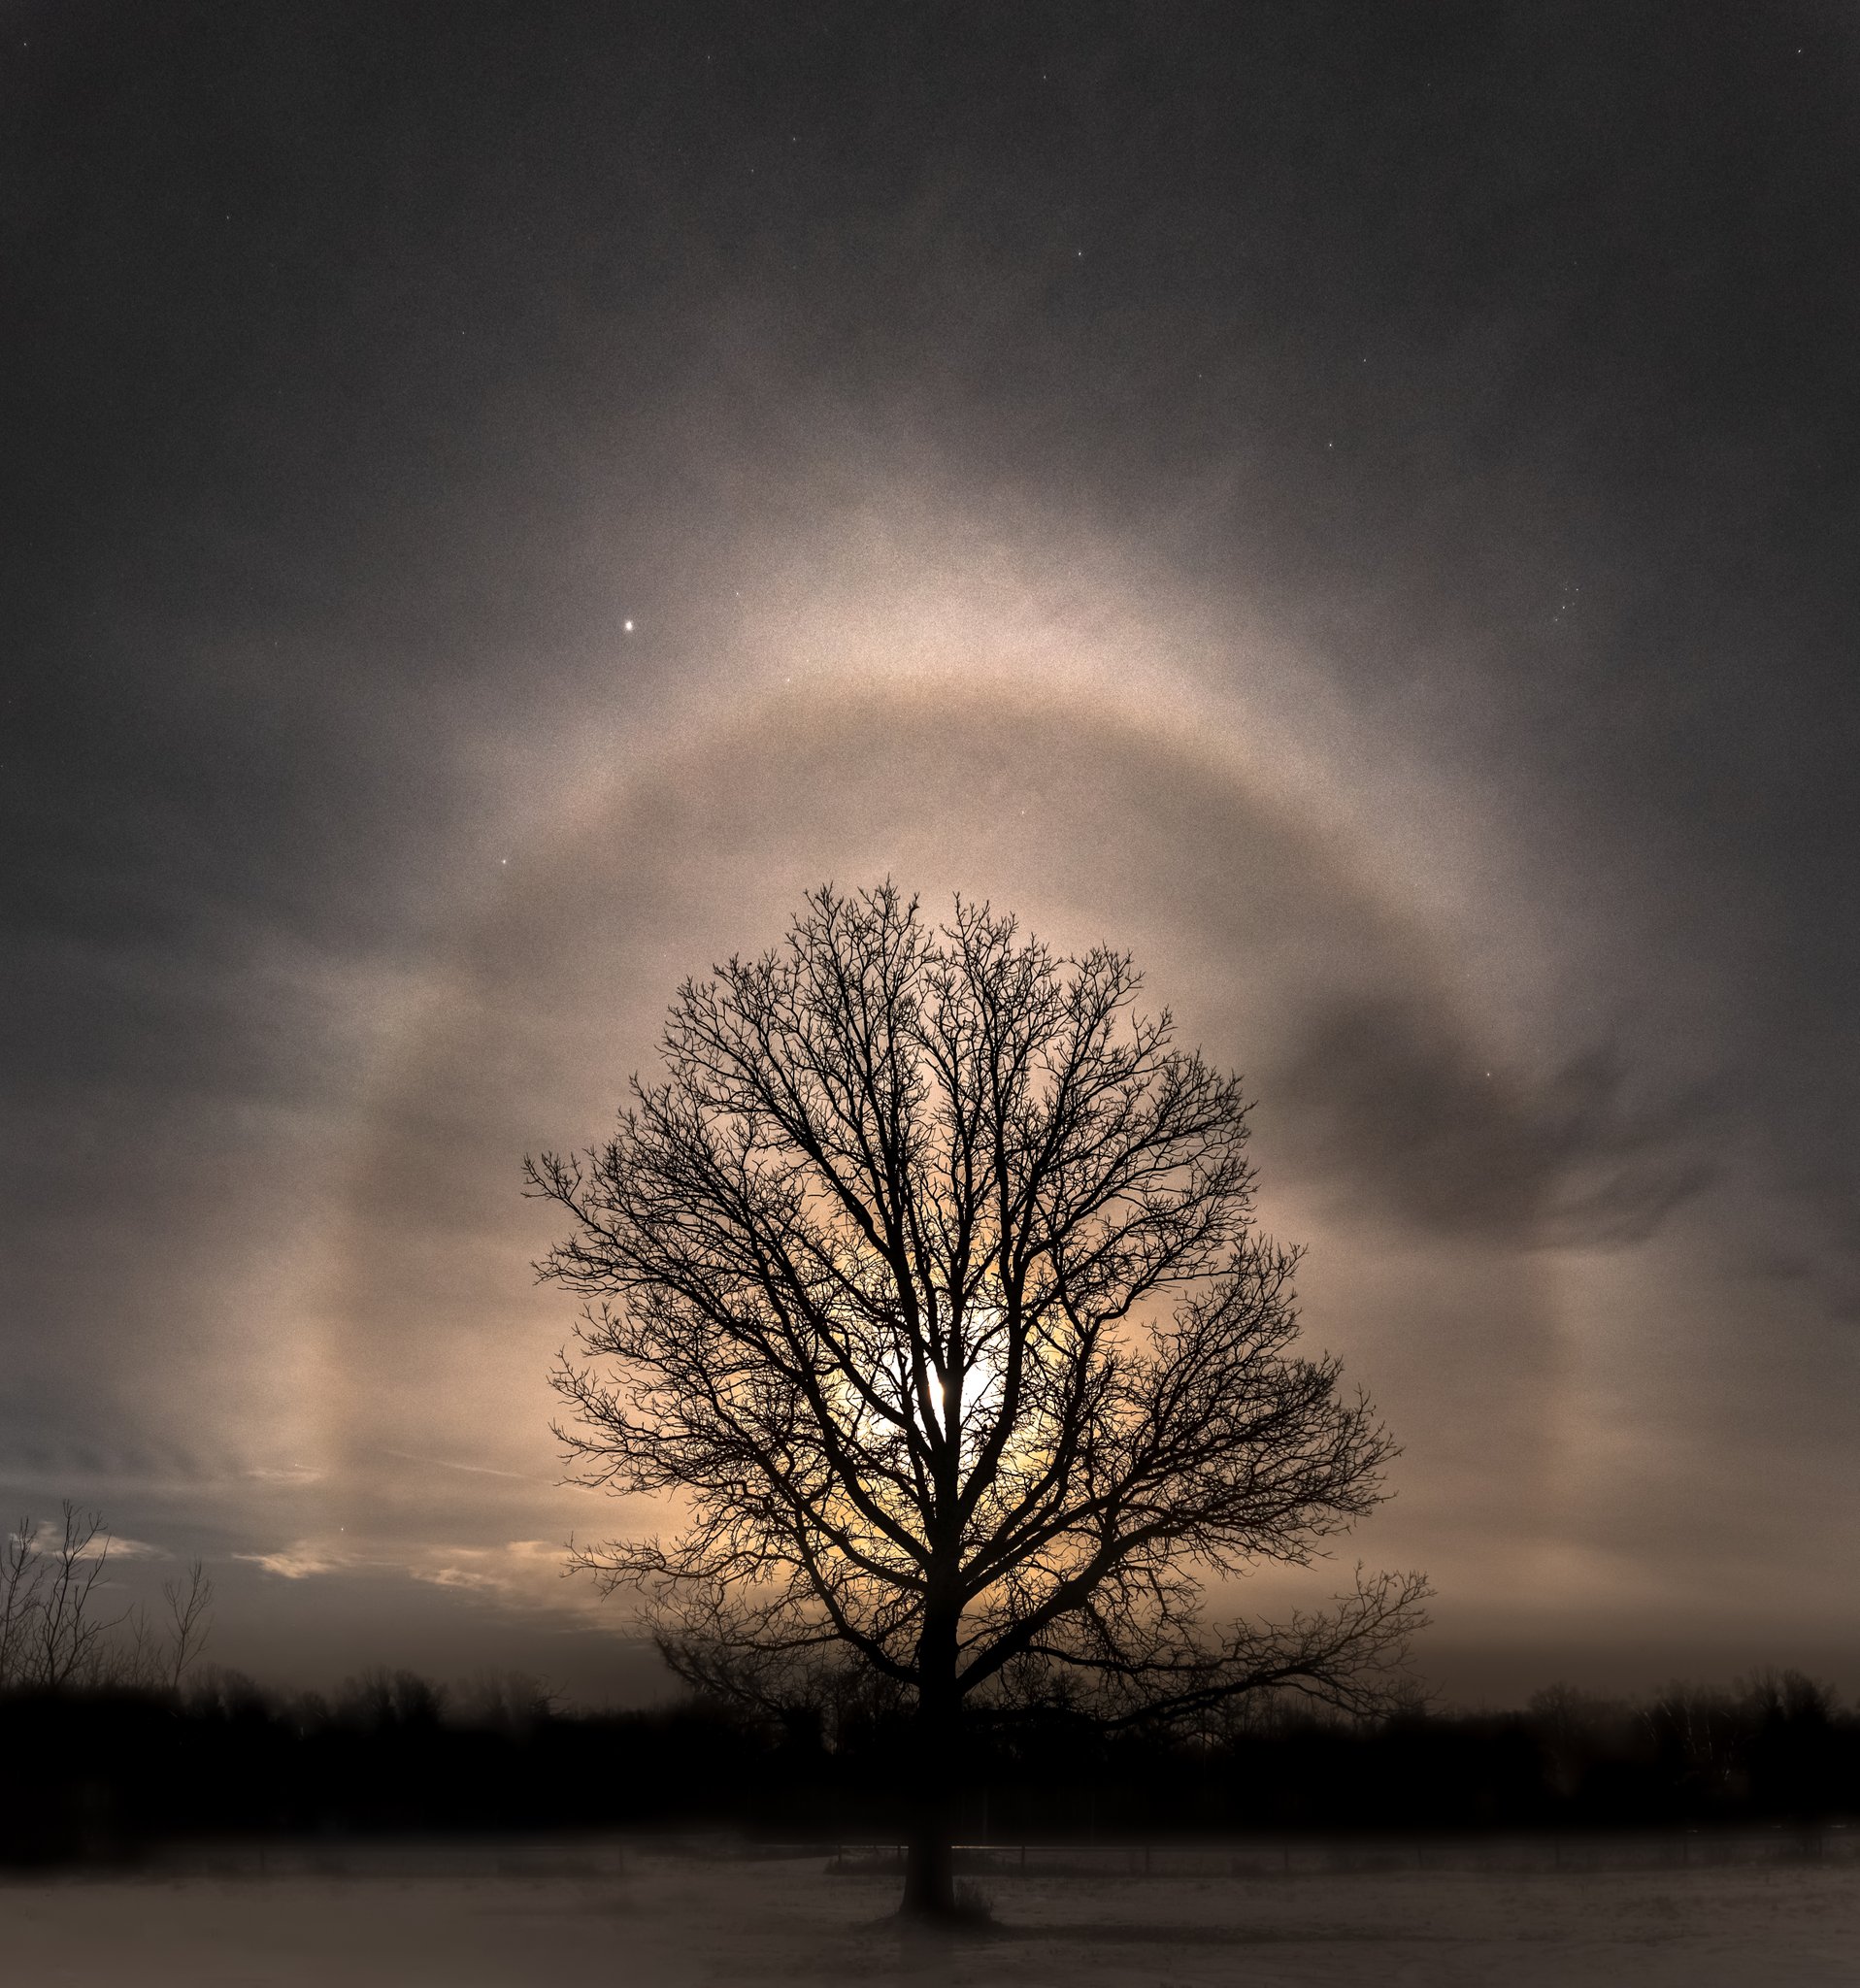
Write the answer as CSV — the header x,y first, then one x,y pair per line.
x,y
928,1278
22,1571
505,1701
137,1660
189,1605
51,1638
68,1645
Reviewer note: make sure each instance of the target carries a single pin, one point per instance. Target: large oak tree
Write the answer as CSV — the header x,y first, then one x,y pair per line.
x,y
927,1277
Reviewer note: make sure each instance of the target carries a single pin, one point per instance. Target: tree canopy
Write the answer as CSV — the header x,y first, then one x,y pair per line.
x,y
927,1276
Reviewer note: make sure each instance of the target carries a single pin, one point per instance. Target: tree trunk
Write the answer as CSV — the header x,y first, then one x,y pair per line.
x,y
930,1862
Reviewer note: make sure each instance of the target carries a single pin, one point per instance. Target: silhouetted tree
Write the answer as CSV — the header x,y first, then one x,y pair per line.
x,y
505,1701
1574,1728
189,1605
1700,1740
23,1574
1792,1754
929,1280
52,1637
56,1639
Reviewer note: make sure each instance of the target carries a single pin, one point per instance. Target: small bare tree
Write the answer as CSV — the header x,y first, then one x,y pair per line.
x,y
189,1605
22,1573
69,1640
51,1638
137,1660
928,1278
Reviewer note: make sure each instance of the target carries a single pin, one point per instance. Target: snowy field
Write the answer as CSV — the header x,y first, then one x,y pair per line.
x,y
617,1915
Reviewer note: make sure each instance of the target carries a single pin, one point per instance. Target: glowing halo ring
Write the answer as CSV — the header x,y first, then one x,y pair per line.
x,y
827,706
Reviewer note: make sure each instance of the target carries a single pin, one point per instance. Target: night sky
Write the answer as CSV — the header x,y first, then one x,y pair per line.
x,y
1356,504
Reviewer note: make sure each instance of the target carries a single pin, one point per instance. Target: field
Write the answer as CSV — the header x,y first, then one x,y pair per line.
x,y
1272,1916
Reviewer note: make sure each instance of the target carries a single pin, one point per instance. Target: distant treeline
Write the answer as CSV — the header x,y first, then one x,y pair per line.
x,y
109,1771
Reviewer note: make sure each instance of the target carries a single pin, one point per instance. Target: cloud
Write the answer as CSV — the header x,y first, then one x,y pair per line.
x,y
455,1577
1828,1268
48,1536
442,1463
136,1549
293,1563
522,1575
285,1473
1381,1098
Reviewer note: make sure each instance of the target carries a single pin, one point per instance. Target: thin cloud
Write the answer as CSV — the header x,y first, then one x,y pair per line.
x,y
524,1576
447,1464
46,1537
285,1473
294,1563
1383,1098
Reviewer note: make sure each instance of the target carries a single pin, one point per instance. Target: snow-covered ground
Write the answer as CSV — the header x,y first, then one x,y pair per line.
x,y
608,1916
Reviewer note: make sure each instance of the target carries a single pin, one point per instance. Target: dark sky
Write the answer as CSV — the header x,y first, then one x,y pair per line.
x,y
1354,503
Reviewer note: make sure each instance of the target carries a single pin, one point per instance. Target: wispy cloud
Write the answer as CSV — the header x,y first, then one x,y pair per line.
x,y
46,1537
523,1574
444,1463
293,1563
136,1549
